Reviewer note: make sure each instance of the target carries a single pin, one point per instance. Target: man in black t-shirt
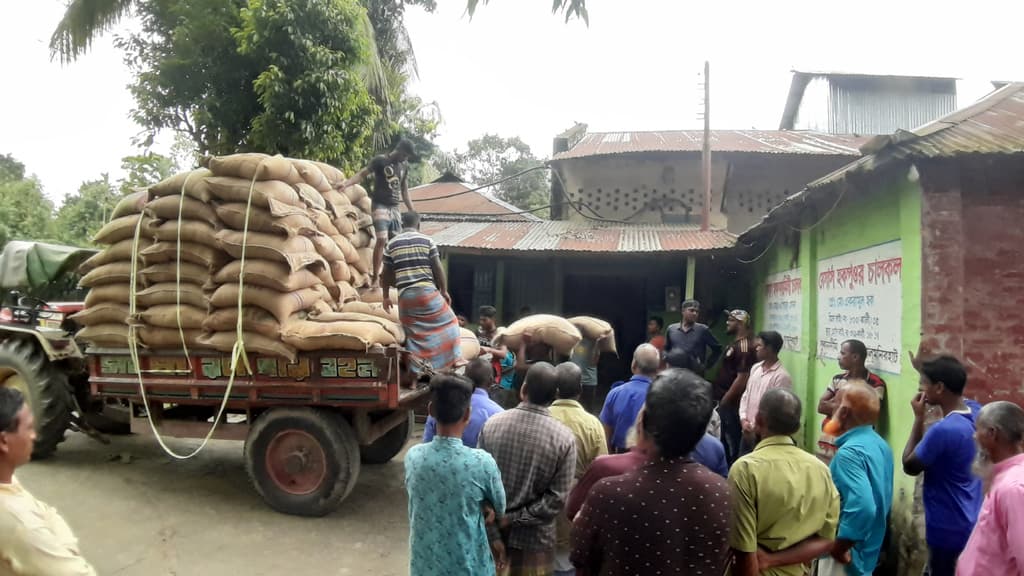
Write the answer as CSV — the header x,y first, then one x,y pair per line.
x,y
390,187
731,383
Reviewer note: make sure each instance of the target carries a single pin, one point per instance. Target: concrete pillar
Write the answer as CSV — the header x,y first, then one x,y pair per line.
x,y
691,276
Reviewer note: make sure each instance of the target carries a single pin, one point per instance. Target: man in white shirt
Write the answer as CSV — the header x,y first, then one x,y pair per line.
x,y
766,375
34,539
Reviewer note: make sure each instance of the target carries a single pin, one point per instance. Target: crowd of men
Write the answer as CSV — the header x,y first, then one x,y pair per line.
x,y
653,485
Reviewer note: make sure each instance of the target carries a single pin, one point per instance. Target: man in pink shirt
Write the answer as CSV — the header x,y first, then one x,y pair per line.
x,y
996,546
766,375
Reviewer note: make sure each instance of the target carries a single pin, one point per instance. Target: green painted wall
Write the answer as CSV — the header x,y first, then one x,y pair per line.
x,y
889,210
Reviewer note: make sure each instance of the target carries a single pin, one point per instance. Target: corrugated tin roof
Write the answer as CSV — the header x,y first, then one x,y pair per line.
x,y
566,236
993,125
437,199
749,141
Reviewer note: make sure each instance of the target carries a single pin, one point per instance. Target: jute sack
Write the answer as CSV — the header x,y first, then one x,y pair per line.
x,y
297,251
324,275
263,167
254,319
364,204
392,327
376,296
373,310
347,293
113,273
363,239
119,229
133,203
311,196
105,335
268,274
237,190
469,344
325,294
364,221
324,225
161,252
334,176
168,272
345,224
308,335
167,208
349,252
102,313
167,293
326,247
280,304
337,202
120,252
596,329
195,185
554,331
113,293
188,230
365,260
340,271
261,220
166,316
168,338
254,344
355,194
311,175
359,280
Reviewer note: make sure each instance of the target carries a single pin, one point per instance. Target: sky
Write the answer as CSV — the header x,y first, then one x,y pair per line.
x,y
517,70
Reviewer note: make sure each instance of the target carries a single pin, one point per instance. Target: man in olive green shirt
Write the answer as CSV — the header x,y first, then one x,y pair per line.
x,y
785,506
590,443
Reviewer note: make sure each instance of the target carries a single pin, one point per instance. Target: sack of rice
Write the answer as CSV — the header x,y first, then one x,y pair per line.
x,y
254,344
597,330
233,216
347,293
469,343
297,251
334,176
376,296
122,251
113,273
114,293
105,335
132,203
340,271
309,335
355,194
102,313
249,165
363,239
555,331
119,229
168,338
187,230
337,202
161,252
237,190
345,225
312,175
365,260
323,223
280,304
254,319
327,247
392,327
364,221
350,253
166,316
310,196
373,310
194,182
172,293
168,272
171,207
359,280
268,274
364,204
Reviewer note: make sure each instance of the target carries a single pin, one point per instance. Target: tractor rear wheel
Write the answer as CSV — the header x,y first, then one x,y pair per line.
x,y
24,366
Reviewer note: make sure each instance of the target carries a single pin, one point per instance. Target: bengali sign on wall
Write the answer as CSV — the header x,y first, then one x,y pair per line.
x,y
860,296
783,300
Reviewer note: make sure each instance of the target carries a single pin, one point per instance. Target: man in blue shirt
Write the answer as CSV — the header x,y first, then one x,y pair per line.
x,y
693,338
448,485
952,495
862,471
481,374
624,402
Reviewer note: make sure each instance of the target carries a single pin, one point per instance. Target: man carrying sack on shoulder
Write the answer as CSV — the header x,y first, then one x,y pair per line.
x,y
412,264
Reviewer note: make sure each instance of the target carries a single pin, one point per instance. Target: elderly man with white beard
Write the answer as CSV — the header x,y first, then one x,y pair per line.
x,y
996,545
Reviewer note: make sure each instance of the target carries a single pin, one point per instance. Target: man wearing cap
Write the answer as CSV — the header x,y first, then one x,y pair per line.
x,y
693,338
731,383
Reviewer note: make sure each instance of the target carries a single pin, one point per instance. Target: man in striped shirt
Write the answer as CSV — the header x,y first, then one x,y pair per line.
x,y
412,264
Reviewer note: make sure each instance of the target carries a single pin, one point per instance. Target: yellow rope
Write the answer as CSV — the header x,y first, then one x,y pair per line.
x,y
237,350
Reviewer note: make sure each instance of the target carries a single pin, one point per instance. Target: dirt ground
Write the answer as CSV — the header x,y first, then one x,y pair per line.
x,y
137,511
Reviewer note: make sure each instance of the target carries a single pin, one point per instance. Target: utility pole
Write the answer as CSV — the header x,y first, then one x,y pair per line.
x,y
705,220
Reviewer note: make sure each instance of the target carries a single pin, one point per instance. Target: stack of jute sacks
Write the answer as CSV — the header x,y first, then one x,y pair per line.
x,y
307,250
561,334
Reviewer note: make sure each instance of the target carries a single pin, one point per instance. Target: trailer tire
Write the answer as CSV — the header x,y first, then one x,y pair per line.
x,y
302,461
382,450
24,366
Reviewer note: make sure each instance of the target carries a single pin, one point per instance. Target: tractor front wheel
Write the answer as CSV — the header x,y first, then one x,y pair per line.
x,y
25,367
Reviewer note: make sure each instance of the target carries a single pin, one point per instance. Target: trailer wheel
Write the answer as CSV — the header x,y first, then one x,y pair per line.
x,y
389,445
24,366
302,461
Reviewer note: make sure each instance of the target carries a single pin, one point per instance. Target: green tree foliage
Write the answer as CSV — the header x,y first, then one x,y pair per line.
x,y
86,211
25,212
491,158
571,8
145,169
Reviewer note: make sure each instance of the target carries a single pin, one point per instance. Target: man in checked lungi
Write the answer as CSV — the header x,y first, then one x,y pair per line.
x,y
412,264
